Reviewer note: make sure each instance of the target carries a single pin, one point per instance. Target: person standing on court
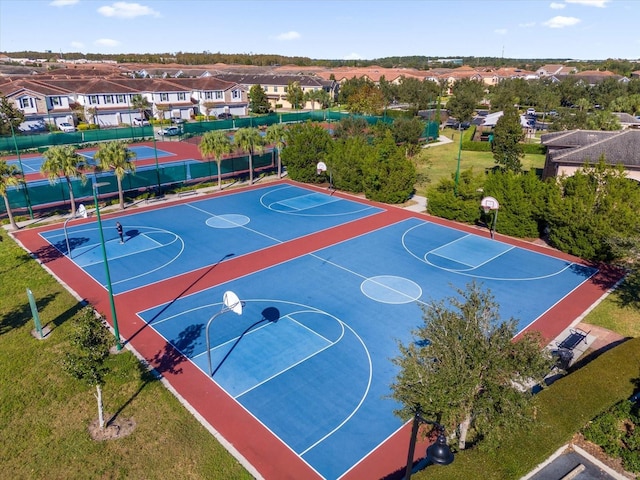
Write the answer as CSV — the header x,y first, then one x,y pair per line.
x,y
120,232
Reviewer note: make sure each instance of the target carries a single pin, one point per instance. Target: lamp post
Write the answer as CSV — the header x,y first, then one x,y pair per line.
x,y
155,151
438,453
116,331
230,303
26,189
455,186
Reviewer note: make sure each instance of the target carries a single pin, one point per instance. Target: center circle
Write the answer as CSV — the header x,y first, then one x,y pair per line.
x,y
230,220
391,289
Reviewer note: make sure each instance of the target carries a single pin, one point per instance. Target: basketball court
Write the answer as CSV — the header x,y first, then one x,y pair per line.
x,y
274,310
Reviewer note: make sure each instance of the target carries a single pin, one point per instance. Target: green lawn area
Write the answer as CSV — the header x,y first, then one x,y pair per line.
x,y
440,161
45,414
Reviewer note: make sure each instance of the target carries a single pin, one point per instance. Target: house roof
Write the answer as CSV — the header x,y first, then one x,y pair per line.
x,y
581,146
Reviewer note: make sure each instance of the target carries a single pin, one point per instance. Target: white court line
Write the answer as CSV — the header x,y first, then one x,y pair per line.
x,y
233,223
482,277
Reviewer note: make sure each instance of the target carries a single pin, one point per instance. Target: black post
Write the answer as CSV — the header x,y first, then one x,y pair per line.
x,y
412,445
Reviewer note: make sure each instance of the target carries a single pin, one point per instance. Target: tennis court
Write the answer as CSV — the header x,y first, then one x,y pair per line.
x,y
33,163
299,381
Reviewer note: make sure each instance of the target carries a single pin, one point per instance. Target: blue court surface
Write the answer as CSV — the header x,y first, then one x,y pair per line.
x,y
33,164
163,243
309,357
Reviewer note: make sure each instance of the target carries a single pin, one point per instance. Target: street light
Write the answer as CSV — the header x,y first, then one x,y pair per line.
x,y
116,331
26,189
438,453
455,186
230,303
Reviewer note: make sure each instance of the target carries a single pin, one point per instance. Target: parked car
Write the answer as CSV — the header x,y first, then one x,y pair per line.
x,y
169,131
66,127
223,116
143,122
177,120
531,112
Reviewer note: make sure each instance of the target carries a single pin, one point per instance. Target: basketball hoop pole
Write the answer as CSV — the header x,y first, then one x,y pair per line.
x,y
495,220
230,303
491,204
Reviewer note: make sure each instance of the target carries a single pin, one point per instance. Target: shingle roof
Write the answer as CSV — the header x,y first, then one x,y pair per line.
x,y
581,146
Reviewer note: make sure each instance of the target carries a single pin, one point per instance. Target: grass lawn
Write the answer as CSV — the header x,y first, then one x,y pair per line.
x,y
440,161
45,413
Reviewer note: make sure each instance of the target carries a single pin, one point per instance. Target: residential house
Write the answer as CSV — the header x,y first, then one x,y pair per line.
x,y
212,96
41,103
275,86
555,70
569,151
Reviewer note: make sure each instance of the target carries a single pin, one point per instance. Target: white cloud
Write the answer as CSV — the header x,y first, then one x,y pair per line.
x,y
527,25
557,6
63,3
126,10
286,36
590,3
561,22
107,42
353,56
500,31
78,45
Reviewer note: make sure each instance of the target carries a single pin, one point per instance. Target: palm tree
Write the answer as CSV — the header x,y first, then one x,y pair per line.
x,y
141,104
117,157
9,176
275,135
62,161
215,144
250,141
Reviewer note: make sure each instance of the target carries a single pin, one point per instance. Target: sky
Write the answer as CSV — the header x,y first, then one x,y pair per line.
x,y
329,29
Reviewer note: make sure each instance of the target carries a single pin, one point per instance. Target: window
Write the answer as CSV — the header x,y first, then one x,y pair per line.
x,y
93,100
236,94
56,101
182,96
275,88
208,95
219,95
164,97
108,99
26,102
120,99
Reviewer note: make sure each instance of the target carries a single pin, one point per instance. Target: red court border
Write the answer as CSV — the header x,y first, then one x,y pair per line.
x,y
267,454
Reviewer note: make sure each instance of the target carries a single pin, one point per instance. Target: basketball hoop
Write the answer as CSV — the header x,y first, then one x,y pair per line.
x,y
488,204
321,168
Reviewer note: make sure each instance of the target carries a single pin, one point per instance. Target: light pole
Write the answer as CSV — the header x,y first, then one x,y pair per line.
x,y
438,453
26,189
116,331
230,303
455,186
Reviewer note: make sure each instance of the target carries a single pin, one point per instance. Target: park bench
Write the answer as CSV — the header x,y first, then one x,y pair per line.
x,y
186,193
565,348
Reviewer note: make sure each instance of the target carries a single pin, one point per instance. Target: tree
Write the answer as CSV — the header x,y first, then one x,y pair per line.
x,y
10,117
215,144
258,100
346,159
419,94
408,132
307,144
351,127
294,95
92,342
9,177
250,141
367,100
388,176
465,369
64,162
275,135
141,104
586,210
507,135
117,157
